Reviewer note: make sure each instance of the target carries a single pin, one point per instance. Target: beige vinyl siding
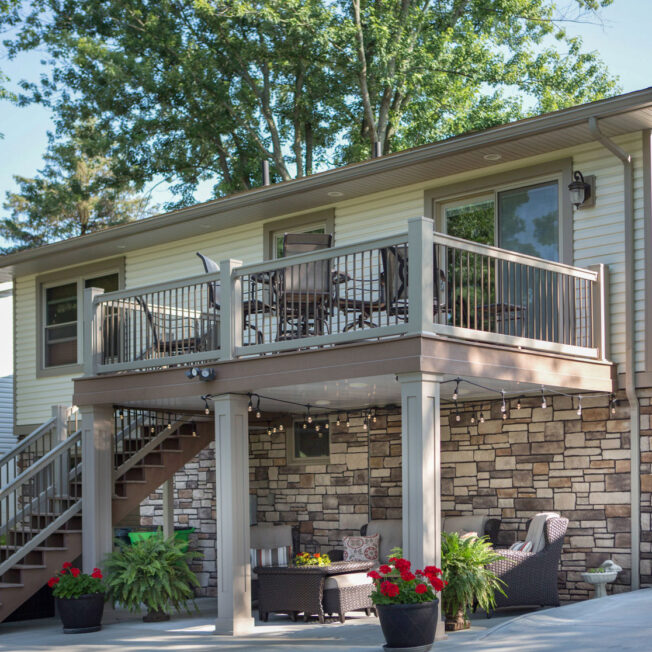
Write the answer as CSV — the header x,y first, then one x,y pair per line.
x,y
178,259
599,237
34,396
377,215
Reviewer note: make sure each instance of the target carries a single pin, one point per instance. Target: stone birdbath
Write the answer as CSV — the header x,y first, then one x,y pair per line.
x,y
601,576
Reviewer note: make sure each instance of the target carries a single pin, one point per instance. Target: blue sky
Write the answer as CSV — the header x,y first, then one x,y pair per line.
x,y
623,40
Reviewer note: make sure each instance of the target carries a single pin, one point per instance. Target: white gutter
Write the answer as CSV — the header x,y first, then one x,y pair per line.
x,y
630,353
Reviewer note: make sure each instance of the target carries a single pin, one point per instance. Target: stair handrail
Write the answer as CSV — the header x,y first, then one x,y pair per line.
x,y
27,441
40,464
75,503
143,451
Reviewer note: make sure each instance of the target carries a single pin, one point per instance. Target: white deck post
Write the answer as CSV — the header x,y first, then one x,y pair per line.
x,y
232,507
421,453
97,484
420,274
61,469
93,343
168,507
230,309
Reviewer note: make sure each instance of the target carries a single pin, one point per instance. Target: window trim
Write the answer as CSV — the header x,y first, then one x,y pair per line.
x,y
560,170
71,275
303,222
302,461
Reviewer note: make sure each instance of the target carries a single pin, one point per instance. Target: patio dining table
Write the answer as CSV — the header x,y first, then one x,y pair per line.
x,y
296,589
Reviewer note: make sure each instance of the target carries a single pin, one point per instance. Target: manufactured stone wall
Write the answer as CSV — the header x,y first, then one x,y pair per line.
x,y
330,501
546,460
535,460
646,487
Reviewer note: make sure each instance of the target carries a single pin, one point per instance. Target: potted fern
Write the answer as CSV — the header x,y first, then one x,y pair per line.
x,y
153,572
469,581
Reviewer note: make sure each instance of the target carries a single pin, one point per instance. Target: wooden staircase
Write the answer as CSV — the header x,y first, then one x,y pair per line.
x,y
142,464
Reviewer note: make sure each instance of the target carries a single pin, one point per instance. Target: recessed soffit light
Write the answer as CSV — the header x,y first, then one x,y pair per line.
x,y
335,193
492,157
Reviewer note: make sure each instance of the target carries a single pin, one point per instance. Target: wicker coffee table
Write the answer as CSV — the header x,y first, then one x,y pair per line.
x,y
296,589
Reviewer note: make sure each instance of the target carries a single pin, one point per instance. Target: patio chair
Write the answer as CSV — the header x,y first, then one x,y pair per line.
x,y
304,291
390,532
391,298
531,577
253,306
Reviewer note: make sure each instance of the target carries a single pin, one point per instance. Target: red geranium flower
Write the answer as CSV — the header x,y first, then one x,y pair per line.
x,y
389,589
432,570
75,572
392,560
97,574
437,583
67,564
406,576
402,565
421,588
52,581
385,569
374,575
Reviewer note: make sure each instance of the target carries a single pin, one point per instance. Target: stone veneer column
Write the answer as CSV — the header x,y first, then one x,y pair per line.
x,y
421,452
97,484
232,508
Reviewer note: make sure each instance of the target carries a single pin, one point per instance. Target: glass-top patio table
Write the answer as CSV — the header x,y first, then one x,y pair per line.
x,y
295,589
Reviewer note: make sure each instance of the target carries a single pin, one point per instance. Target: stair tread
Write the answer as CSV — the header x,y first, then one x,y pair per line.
x,y
28,566
38,548
11,585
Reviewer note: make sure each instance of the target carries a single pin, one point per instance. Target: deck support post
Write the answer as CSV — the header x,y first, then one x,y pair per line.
x,y
421,453
232,507
97,484
168,507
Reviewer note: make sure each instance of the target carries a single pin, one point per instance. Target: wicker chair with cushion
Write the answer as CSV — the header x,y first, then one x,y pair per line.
x,y
267,536
531,577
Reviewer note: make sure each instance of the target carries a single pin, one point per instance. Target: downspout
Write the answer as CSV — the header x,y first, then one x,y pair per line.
x,y
630,353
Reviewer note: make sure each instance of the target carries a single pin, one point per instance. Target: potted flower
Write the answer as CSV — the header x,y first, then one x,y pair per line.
x,y
406,602
79,598
153,572
465,563
316,559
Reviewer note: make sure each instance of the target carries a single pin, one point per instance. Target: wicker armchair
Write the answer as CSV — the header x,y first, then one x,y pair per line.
x,y
531,578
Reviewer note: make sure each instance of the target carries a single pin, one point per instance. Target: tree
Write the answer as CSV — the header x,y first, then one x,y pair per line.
x,y
75,193
205,89
8,17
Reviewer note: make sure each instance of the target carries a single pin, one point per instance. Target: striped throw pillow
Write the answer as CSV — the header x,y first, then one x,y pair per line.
x,y
522,546
270,556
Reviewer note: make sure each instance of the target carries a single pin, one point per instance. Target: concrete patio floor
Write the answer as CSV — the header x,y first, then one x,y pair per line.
x,y
619,622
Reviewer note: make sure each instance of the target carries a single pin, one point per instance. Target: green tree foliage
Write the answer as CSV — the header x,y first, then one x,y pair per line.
x,y
8,17
75,193
195,90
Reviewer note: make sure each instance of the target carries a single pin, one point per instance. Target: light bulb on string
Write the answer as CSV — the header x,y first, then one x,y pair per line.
x,y
194,429
206,408
544,404
309,415
579,406
518,403
503,407
250,406
457,386
305,425
327,425
281,427
473,418
481,417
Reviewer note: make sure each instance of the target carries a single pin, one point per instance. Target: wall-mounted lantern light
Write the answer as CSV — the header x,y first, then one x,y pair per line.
x,y
582,190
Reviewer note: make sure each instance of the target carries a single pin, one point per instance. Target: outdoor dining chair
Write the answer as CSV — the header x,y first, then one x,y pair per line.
x,y
304,290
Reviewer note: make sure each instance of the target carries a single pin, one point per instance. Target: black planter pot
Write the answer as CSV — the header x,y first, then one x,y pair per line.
x,y
408,626
81,615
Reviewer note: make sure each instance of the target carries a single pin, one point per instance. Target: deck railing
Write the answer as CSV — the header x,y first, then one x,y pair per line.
x,y
412,282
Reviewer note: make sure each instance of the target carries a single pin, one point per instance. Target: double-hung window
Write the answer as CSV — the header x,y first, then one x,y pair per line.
x,y
60,346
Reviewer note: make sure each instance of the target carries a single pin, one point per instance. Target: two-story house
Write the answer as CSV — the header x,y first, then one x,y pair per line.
x,y
461,329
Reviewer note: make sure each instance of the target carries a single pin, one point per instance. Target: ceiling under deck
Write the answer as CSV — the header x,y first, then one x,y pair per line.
x,y
356,393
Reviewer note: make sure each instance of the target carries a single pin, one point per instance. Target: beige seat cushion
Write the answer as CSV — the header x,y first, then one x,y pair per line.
x,y
391,536
464,524
346,580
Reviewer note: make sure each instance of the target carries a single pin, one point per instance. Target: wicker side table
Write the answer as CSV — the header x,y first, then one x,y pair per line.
x,y
295,589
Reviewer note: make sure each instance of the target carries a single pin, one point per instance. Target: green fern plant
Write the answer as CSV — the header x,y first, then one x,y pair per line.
x,y
464,566
153,572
